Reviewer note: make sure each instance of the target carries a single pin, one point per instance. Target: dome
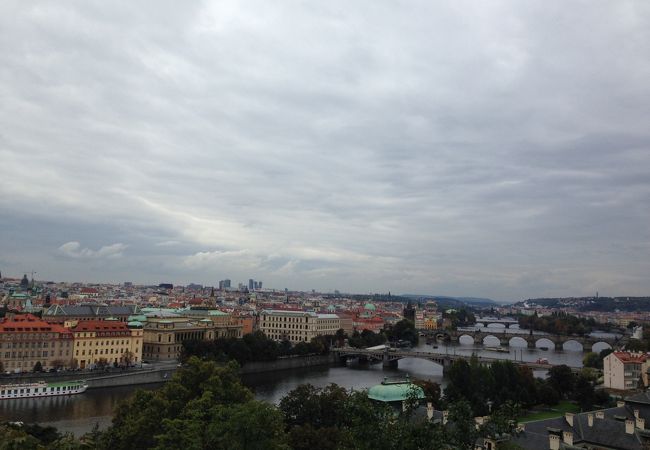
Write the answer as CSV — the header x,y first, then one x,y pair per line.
x,y
369,307
331,308
394,391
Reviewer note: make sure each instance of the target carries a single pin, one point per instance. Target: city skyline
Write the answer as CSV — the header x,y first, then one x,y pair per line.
x,y
490,150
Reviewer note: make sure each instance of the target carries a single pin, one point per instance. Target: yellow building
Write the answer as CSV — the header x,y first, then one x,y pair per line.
x,y
106,342
297,326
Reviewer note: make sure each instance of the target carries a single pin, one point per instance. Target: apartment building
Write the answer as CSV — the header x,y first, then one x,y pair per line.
x,y
625,370
106,341
297,326
26,340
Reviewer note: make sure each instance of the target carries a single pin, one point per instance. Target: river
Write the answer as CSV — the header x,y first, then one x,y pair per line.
x,y
79,413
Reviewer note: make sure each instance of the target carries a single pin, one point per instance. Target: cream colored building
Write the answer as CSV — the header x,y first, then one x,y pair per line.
x,y
106,341
164,336
625,370
297,326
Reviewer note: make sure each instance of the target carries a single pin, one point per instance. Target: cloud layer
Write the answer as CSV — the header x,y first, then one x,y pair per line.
x,y
496,149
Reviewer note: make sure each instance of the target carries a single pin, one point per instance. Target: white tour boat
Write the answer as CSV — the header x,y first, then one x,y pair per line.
x,y
41,389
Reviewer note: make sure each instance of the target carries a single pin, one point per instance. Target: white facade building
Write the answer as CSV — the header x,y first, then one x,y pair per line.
x,y
625,370
297,326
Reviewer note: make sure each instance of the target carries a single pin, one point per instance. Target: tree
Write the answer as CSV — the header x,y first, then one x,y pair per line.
x,y
431,390
463,433
127,358
561,378
251,425
592,359
38,367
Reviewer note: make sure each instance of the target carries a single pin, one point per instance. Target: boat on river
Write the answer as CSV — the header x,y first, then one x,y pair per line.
x,y
497,349
41,389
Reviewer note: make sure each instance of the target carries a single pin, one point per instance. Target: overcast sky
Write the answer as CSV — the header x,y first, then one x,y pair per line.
x,y
493,149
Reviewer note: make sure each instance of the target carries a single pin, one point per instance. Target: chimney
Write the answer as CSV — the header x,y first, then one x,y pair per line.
x,y
567,437
629,426
600,414
569,418
636,413
553,442
430,410
445,417
640,423
620,404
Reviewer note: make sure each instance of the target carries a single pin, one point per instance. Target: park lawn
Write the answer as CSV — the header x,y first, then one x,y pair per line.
x,y
556,411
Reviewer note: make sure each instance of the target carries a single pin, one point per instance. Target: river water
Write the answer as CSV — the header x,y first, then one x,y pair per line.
x,y
79,413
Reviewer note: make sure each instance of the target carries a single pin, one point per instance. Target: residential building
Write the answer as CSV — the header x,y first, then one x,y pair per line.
x,y
622,427
26,340
297,326
625,370
164,336
106,341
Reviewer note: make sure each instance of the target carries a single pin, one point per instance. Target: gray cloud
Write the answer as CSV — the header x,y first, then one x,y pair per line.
x,y
498,150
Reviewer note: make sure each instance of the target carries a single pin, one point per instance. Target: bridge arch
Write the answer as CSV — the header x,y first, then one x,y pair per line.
x,y
545,343
572,345
600,346
497,326
491,341
518,341
466,339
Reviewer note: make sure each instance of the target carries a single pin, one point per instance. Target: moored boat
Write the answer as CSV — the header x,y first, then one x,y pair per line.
x,y
41,389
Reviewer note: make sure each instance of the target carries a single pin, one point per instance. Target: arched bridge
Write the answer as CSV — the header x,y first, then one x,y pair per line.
x,y
390,358
532,340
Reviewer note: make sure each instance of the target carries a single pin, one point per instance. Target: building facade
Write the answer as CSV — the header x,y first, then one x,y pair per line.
x,y
625,370
107,342
26,340
297,326
163,337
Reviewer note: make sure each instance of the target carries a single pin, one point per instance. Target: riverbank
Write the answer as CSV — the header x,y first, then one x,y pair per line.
x,y
161,372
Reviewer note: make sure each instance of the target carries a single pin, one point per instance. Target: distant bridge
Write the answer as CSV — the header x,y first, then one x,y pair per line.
x,y
532,340
390,358
485,321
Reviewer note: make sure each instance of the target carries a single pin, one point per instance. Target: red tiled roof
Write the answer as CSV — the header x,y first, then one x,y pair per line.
x,y
627,357
23,323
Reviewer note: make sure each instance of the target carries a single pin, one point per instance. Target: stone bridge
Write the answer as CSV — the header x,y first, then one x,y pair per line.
x,y
505,338
390,358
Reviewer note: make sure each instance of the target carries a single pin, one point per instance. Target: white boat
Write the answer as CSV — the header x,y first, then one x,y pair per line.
x,y
41,389
497,349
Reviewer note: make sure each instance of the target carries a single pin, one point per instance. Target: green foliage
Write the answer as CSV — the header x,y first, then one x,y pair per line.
x,y
38,367
404,330
183,413
561,378
499,383
559,323
366,338
592,359
460,318
252,347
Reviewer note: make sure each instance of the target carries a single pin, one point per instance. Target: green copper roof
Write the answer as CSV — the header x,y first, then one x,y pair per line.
x,y
394,391
370,307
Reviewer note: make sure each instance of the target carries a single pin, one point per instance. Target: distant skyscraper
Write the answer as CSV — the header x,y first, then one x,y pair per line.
x,y
251,284
259,285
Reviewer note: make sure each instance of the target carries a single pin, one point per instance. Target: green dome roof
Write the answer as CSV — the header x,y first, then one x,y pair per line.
x,y
394,391
370,307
